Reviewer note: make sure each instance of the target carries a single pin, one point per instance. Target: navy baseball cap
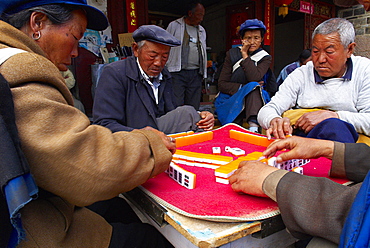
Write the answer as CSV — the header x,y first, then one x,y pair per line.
x,y
156,34
95,18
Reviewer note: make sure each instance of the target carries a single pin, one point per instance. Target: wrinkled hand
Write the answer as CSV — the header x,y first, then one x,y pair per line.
x,y
207,121
279,128
250,177
300,148
309,120
245,48
168,141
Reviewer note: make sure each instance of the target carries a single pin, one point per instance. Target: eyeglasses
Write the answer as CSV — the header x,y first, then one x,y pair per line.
x,y
250,39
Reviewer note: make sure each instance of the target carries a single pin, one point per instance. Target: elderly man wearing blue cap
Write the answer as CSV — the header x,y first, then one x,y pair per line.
x,y
137,92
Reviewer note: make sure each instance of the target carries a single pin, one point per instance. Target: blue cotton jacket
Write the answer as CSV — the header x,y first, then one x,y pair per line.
x,y
356,230
124,101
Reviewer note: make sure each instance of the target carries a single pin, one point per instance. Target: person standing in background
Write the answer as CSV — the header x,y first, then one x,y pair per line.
x,y
188,62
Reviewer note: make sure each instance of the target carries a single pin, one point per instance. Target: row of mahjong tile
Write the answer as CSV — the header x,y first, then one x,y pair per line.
x,y
183,177
223,172
188,138
202,157
289,164
187,179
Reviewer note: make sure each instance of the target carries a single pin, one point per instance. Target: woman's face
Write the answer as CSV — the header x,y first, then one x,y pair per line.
x,y
253,39
60,42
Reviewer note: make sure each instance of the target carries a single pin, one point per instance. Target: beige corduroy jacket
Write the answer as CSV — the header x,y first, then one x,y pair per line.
x,y
78,162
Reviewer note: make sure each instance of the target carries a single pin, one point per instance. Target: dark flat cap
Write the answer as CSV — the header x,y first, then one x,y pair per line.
x,y
95,18
156,34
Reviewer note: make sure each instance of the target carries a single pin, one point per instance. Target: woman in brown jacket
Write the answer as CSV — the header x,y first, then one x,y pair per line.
x,y
74,163
246,81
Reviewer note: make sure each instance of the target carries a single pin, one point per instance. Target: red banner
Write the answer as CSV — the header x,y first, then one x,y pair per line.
x,y
131,15
267,40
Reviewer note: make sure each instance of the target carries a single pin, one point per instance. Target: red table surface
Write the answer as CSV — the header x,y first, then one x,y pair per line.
x,y
211,200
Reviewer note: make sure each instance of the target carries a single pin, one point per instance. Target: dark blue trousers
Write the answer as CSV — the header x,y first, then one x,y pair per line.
x,y
332,129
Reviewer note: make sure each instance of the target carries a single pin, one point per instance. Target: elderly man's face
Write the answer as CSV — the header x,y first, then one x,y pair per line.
x,y
329,56
152,57
195,17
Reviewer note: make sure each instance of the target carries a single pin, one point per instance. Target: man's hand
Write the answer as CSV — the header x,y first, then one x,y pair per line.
x,y
300,148
309,120
207,121
250,177
169,142
279,128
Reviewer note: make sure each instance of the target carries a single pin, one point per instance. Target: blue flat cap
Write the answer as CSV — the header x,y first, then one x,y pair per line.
x,y
156,34
251,24
95,18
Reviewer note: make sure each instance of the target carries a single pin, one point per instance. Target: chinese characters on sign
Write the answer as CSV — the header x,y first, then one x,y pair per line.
x,y
267,40
306,7
131,16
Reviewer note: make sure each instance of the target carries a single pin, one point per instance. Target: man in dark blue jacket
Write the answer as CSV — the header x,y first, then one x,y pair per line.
x,y
137,92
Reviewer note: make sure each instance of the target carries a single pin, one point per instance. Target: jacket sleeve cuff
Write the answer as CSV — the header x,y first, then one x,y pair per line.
x,y
270,183
161,155
337,165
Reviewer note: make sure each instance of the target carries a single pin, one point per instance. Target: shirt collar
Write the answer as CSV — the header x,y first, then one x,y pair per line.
x,y
150,80
346,76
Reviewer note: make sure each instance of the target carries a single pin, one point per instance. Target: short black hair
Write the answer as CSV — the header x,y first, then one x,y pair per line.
x,y
305,54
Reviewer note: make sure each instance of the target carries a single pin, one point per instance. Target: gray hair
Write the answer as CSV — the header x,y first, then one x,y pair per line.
x,y
58,14
341,26
140,44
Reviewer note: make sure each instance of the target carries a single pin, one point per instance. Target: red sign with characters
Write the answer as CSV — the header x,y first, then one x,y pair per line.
x,y
131,15
267,40
306,7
